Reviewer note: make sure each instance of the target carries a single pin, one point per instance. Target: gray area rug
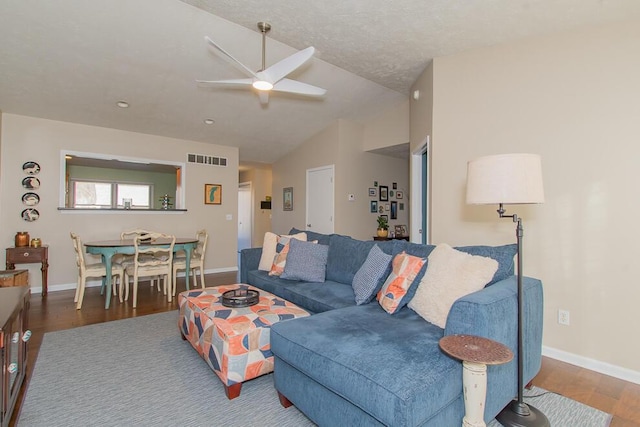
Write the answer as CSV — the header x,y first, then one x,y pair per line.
x,y
140,372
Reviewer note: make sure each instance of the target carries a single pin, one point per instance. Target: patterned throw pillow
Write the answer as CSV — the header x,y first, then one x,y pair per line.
x,y
371,275
451,274
405,269
306,261
269,246
282,250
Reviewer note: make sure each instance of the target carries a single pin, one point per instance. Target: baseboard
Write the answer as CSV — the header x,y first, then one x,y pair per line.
x,y
592,364
94,283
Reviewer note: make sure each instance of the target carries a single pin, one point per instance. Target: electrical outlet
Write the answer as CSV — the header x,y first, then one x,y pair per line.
x,y
563,317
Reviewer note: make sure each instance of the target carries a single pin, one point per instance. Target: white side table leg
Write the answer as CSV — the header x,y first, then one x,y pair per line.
x,y
474,382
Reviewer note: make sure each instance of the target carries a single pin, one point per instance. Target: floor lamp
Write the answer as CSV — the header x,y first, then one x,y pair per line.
x,y
510,179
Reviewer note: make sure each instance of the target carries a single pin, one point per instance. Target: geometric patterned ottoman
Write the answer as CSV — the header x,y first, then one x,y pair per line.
x,y
233,341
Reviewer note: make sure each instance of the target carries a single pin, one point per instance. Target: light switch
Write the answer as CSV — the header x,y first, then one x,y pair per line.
x,y
229,217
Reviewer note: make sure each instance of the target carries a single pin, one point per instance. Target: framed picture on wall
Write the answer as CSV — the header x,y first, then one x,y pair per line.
x,y
373,191
374,206
287,199
212,194
394,210
384,193
401,230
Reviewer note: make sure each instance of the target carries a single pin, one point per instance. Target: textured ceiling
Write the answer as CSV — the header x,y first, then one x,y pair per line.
x,y
72,60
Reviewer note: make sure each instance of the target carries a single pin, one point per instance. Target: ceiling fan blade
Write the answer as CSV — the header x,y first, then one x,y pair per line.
x,y
283,68
294,86
241,83
233,60
264,97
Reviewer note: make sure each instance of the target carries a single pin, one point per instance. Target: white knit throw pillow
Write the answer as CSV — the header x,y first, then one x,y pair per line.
x,y
450,275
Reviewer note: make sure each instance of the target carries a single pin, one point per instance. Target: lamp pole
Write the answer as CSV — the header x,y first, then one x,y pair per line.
x,y
518,413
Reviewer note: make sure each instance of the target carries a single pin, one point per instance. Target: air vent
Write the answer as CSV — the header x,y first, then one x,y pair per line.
x,y
206,160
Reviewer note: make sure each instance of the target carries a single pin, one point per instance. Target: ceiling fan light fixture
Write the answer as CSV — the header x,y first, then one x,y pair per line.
x,y
262,85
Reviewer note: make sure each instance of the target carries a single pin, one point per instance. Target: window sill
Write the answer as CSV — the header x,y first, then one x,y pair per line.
x,y
122,211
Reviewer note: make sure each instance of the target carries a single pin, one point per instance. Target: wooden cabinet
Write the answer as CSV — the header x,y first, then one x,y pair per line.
x,y
14,335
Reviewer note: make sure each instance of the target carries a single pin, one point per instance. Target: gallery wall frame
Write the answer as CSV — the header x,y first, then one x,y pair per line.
x,y
384,193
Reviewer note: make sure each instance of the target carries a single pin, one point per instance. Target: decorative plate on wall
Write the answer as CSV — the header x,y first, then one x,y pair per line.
x,y
30,199
31,183
31,168
30,214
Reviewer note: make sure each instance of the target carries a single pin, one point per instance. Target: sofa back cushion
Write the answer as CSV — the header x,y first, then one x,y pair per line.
x,y
346,256
503,254
322,239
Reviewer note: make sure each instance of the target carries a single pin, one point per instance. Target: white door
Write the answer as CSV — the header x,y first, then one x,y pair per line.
x,y
320,197
245,216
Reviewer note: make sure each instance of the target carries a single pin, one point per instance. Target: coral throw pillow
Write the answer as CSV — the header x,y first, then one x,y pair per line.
x,y
451,274
269,248
405,269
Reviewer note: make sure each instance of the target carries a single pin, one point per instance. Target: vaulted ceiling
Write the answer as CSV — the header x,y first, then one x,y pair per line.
x,y
73,60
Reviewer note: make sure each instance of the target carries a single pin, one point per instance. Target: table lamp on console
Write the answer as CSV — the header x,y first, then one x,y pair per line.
x,y
510,179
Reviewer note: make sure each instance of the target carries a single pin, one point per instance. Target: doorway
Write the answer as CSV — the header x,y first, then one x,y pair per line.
x,y
245,216
420,193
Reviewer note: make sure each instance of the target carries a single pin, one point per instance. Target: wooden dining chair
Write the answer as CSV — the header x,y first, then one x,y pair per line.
x,y
150,260
127,259
91,270
196,262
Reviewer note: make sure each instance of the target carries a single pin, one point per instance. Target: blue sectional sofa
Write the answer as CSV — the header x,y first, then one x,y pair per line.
x,y
355,365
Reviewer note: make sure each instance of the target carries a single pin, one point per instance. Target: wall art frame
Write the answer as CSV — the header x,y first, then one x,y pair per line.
x,y
287,199
213,194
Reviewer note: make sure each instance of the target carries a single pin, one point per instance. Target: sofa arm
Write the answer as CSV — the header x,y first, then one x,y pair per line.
x,y
249,260
493,313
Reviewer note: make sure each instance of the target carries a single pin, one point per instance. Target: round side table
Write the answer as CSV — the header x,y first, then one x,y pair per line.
x,y
476,353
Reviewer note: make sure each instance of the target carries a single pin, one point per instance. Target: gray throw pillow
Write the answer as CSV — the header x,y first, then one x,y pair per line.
x,y
306,261
370,277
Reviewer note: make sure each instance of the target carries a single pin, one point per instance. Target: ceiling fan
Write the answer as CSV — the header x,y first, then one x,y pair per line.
x,y
272,78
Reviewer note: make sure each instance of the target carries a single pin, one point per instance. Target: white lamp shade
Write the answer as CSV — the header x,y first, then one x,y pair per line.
x,y
505,178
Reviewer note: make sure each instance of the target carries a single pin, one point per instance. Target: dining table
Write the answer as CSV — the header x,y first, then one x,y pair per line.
x,y
108,248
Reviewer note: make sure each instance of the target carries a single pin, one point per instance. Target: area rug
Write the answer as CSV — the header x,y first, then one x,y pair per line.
x,y
140,372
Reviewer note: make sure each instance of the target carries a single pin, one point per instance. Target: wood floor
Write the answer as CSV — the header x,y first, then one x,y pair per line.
x,y
57,311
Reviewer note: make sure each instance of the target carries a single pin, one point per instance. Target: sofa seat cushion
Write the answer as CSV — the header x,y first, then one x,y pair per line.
x,y
313,297
389,366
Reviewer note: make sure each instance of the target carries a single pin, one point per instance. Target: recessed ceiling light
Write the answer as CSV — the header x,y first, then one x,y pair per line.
x,y
209,121
122,104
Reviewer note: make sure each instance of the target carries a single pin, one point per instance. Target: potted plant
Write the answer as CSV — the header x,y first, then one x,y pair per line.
x,y
383,226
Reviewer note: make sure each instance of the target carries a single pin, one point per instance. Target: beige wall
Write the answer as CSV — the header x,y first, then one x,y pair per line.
x,y
27,138
574,99
290,171
261,183
388,129
355,171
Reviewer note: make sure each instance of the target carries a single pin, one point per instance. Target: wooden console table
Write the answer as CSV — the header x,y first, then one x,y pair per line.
x,y
29,255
